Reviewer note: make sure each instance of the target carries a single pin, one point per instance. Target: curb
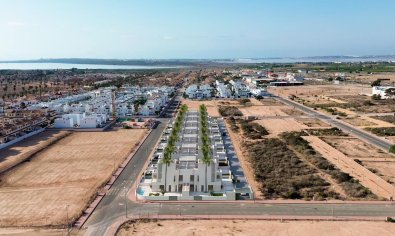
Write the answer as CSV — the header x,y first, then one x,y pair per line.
x,y
101,193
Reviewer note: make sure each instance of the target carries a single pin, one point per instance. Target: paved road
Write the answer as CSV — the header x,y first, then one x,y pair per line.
x,y
113,206
378,142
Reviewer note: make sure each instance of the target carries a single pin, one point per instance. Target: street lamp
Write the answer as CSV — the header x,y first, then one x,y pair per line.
x,y
67,220
126,203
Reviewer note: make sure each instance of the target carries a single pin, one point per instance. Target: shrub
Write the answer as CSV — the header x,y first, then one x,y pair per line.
x,y
281,174
392,149
253,130
226,111
244,101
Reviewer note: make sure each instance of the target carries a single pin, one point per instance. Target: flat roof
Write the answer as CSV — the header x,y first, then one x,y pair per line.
x,y
187,158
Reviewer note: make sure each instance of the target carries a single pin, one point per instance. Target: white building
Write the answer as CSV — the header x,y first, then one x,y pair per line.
x,y
223,90
195,91
80,121
187,176
381,91
239,89
64,122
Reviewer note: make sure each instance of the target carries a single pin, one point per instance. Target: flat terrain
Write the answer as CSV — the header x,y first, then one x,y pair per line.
x,y
212,107
23,150
257,227
376,160
376,184
68,172
277,126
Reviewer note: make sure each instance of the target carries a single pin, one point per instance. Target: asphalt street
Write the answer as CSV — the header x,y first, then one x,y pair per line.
x,y
114,205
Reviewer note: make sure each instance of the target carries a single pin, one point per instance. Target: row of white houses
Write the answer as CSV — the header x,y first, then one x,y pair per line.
x,y
234,89
187,176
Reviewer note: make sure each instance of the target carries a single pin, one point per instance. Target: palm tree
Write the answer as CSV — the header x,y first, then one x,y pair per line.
x,y
205,141
167,160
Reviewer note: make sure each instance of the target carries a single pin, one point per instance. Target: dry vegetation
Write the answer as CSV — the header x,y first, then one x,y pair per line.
x,y
349,185
376,160
255,227
68,172
226,111
283,175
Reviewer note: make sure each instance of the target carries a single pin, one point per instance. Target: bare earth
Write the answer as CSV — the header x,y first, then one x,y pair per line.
x,y
68,172
368,179
212,106
20,151
280,125
257,227
263,110
372,158
312,122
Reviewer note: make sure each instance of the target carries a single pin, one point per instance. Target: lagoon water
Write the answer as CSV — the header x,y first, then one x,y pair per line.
x,y
54,66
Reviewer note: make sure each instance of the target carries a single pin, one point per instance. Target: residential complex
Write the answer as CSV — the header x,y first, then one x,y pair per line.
x,y
194,166
16,125
94,109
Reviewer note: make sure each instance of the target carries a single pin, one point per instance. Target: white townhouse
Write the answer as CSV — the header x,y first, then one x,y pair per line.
x,y
195,91
223,90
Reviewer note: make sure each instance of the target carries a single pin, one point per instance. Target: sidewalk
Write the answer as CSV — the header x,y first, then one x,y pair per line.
x,y
87,213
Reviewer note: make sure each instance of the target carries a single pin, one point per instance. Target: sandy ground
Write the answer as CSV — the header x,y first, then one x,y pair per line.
x,y
326,91
312,122
257,227
212,107
376,184
378,123
20,151
358,122
263,110
371,157
280,125
39,232
66,173
357,149
244,161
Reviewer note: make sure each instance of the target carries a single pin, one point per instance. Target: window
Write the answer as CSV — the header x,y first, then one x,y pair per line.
x,y
180,178
202,188
192,178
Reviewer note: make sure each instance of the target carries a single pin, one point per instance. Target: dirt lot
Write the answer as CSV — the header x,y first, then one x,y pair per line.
x,y
21,151
280,125
376,184
68,172
212,106
258,227
39,232
358,121
356,149
263,110
313,92
312,122
382,163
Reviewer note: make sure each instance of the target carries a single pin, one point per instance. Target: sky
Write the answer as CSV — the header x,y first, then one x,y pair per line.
x,y
194,29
